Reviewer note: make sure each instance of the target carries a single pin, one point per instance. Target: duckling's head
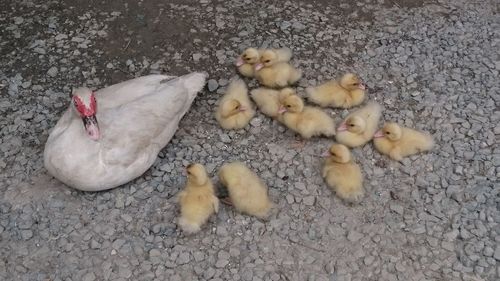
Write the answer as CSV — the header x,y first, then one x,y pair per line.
x,y
196,174
251,56
351,82
390,130
267,58
339,153
353,124
292,103
85,105
231,107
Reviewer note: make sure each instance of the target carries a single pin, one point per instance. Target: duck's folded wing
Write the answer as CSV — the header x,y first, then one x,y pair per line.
x,y
147,124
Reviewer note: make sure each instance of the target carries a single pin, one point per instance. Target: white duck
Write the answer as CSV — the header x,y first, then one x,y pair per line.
x,y
124,128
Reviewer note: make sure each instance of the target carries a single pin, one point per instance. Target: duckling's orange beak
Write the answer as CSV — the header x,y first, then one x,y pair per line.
x,y
281,110
362,86
342,127
379,134
239,62
259,66
326,154
242,108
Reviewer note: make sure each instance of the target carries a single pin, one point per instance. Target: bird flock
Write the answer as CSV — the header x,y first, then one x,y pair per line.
x,y
278,100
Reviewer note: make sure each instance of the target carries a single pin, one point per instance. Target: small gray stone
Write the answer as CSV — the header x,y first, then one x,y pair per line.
x,y
124,272
183,258
256,122
368,260
397,208
452,235
18,20
26,234
126,217
223,259
89,276
225,138
53,71
488,251
496,255
197,57
154,253
212,85
198,256
354,236
309,200
120,201
448,246
94,244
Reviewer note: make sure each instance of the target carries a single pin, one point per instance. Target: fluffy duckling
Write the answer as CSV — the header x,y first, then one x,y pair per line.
x,y
235,109
308,121
342,175
247,191
359,127
346,93
198,201
247,60
272,72
399,142
268,100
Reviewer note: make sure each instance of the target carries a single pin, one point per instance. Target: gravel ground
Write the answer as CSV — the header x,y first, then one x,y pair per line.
x,y
434,65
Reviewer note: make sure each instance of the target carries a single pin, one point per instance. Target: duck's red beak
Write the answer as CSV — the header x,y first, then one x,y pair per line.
x,y
91,127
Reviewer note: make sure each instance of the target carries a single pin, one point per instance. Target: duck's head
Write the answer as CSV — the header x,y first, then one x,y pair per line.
x,y
354,124
196,174
339,153
85,105
291,103
391,131
351,82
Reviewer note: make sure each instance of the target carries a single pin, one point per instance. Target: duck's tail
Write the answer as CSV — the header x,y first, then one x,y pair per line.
x,y
194,82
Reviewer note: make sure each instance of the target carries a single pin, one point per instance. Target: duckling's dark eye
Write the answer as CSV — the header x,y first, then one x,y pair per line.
x,y
351,125
267,61
288,106
388,133
355,84
333,154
